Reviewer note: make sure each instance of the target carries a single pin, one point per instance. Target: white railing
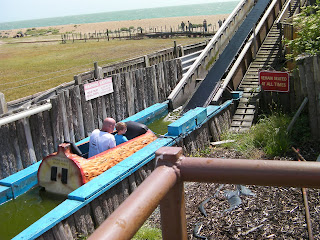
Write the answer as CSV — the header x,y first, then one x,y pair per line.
x,y
210,54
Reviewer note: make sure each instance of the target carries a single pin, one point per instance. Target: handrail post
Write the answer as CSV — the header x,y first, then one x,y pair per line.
x,y
172,206
126,220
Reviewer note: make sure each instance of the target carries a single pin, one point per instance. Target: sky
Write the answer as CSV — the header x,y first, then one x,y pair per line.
x,y
17,10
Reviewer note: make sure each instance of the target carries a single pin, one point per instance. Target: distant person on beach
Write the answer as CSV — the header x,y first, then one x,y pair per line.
x,y
189,26
220,23
102,140
121,128
205,25
182,26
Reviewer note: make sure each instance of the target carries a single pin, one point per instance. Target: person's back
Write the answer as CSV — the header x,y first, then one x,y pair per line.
x,y
120,139
102,140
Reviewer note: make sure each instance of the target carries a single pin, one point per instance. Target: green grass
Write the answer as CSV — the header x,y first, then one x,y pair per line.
x,y
268,135
26,69
147,232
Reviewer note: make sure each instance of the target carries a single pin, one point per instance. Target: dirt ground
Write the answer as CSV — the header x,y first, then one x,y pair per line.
x,y
265,213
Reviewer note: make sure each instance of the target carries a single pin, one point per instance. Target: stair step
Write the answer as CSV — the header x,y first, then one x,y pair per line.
x,y
245,111
239,117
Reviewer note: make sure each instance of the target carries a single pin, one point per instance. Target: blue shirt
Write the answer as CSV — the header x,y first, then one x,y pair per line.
x,y
120,139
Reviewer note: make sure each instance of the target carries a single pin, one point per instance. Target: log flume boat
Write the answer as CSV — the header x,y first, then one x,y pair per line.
x,y
64,171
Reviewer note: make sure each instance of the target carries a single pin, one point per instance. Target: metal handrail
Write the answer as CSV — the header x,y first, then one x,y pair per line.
x,y
165,187
26,113
215,45
256,31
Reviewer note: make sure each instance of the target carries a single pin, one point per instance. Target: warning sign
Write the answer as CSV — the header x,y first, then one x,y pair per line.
x,y
274,81
98,88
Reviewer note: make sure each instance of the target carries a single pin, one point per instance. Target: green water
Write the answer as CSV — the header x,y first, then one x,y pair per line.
x,y
159,126
16,215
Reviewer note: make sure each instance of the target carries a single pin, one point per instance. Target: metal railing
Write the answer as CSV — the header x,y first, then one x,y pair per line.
x,y
250,49
165,187
210,54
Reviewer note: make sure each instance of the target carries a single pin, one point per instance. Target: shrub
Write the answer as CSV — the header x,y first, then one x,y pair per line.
x,y
269,135
308,32
124,29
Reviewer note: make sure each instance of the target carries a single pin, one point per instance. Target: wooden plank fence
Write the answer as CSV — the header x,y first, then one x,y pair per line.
x,y
309,86
72,118
304,82
125,66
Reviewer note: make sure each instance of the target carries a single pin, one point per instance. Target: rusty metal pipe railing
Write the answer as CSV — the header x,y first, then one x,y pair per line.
x,y
251,172
126,220
165,186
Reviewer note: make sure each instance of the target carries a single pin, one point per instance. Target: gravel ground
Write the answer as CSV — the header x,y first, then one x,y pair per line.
x,y
269,213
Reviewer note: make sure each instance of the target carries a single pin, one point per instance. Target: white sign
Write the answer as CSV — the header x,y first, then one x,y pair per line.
x,y
98,88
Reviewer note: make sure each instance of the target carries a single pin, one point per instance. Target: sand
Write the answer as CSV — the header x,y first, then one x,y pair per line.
x,y
158,23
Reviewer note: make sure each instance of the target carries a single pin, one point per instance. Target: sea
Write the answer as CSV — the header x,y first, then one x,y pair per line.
x,y
163,12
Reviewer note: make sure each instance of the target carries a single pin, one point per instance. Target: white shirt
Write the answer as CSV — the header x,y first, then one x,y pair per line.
x,y
100,141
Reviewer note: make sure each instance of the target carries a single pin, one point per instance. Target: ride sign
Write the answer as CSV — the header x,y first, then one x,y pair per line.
x,y
274,81
98,88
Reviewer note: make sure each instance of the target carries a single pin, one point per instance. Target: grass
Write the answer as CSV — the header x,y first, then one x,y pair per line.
x,y
26,69
147,232
268,135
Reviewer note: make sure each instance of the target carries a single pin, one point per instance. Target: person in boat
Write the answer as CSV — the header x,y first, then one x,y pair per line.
x,y
102,140
121,128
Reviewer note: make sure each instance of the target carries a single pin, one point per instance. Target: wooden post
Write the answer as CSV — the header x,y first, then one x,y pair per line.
x,y
98,74
3,104
77,79
146,60
316,69
182,50
28,135
175,50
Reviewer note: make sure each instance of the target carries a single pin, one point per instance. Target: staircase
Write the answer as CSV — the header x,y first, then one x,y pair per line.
x,y
266,58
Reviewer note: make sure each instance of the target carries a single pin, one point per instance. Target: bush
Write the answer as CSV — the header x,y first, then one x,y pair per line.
x,y
268,135
307,26
41,32
124,29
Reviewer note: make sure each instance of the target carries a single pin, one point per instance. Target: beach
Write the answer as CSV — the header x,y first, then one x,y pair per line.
x,y
160,24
